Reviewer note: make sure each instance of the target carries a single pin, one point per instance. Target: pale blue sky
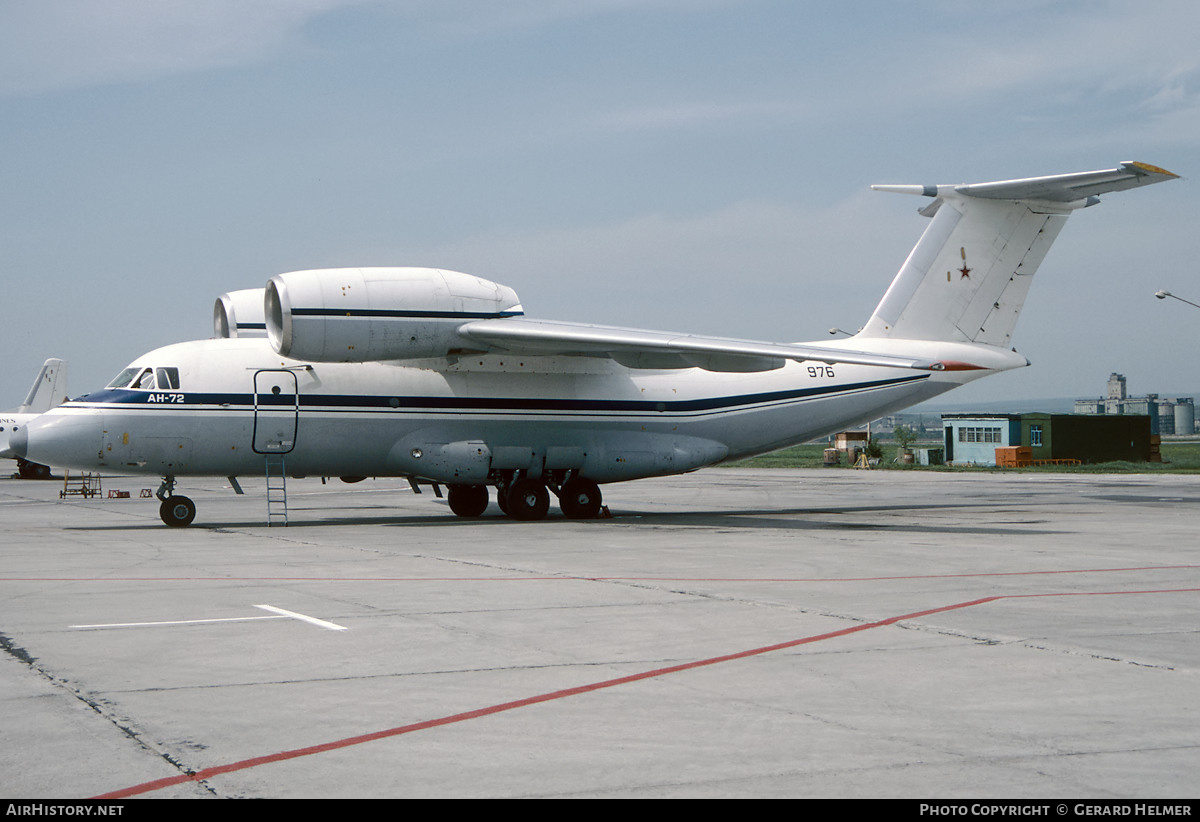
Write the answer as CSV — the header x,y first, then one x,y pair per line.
x,y
693,165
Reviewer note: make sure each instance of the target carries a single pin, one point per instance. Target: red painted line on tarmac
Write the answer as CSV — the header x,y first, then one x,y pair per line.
x,y
208,773
895,578
1105,593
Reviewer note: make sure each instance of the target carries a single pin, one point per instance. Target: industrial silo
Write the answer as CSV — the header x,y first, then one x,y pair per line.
x,y
1185,416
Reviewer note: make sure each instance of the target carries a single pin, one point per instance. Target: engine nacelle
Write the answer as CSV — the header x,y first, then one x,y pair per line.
x,y
240,314
367,314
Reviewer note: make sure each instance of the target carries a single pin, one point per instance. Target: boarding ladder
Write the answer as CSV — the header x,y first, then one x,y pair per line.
x,y
276,491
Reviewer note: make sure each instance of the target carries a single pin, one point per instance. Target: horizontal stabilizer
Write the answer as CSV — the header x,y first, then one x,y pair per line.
x,y
1057,188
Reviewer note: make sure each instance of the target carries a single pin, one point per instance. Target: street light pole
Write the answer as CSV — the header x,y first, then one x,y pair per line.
x,y
1162,295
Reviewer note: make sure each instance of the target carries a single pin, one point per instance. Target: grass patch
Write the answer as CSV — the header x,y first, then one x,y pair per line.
x,y
1178,457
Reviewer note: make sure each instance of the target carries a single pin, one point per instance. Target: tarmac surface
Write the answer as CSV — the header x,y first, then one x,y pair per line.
x,y
728,633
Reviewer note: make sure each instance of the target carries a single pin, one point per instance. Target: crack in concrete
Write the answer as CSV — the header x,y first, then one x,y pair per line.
x,y
94,703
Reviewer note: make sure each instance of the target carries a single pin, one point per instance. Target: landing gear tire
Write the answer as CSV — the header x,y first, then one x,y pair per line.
x,y
32,470
177,512
468,500
528,500
580,498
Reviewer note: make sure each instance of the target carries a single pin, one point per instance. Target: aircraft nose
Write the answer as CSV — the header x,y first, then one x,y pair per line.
x,y
66,440
18,440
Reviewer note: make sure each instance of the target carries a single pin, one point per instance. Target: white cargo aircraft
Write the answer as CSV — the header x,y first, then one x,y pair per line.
x,y
49,389
437,376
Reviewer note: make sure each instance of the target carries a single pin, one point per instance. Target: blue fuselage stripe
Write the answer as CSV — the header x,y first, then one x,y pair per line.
x,y
403,314
335,402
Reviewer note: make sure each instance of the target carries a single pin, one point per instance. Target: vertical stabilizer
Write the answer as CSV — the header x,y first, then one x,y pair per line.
x,y
967,277
48,390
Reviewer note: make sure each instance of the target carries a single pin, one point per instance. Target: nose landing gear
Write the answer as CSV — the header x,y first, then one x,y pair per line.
x,y
32,470
177,511
174,510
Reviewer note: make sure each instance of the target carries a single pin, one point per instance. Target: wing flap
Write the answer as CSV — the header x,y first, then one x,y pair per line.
x,y
638,348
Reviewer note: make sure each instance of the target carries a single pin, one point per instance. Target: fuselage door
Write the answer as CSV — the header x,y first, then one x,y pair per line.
x,y
276,411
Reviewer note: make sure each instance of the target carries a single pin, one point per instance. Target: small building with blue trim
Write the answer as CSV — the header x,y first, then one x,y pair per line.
x,y
974,438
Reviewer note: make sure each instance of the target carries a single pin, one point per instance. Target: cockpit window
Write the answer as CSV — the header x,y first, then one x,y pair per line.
x,y
148,379
145,380
122,379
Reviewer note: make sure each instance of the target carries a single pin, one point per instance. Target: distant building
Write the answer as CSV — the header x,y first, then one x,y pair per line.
x,y
1177,416
1115,396
1167,416
921,423
1116,402
974,438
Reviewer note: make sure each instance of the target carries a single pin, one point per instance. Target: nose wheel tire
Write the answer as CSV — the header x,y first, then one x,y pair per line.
x,y
177,512
32,470
468,500
580,498
528,500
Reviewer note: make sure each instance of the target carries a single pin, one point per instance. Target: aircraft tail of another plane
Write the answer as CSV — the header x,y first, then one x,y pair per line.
x,y
48,390
967,277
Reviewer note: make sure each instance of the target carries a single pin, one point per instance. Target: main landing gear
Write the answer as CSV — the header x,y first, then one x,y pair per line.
x,y
520,497
528,499
176,511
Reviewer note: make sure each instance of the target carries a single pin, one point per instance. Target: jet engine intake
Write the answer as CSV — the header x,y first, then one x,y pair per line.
x,y
369,314
239,314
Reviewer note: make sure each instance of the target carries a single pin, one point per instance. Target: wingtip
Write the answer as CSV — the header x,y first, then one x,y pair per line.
x,y
1146,168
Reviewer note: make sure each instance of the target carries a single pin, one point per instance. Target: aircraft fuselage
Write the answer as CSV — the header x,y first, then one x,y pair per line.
x,y
459,420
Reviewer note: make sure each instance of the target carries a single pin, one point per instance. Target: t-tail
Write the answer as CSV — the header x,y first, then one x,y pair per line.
x,y
967,277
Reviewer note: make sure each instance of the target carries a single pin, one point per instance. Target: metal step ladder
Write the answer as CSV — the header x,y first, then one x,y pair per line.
x,y
277,513
83,485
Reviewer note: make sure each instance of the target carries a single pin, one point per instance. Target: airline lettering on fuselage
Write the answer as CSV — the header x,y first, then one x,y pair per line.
x,y
165,398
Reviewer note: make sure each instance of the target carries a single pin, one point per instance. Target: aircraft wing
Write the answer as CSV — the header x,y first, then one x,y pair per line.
x,y
637,348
